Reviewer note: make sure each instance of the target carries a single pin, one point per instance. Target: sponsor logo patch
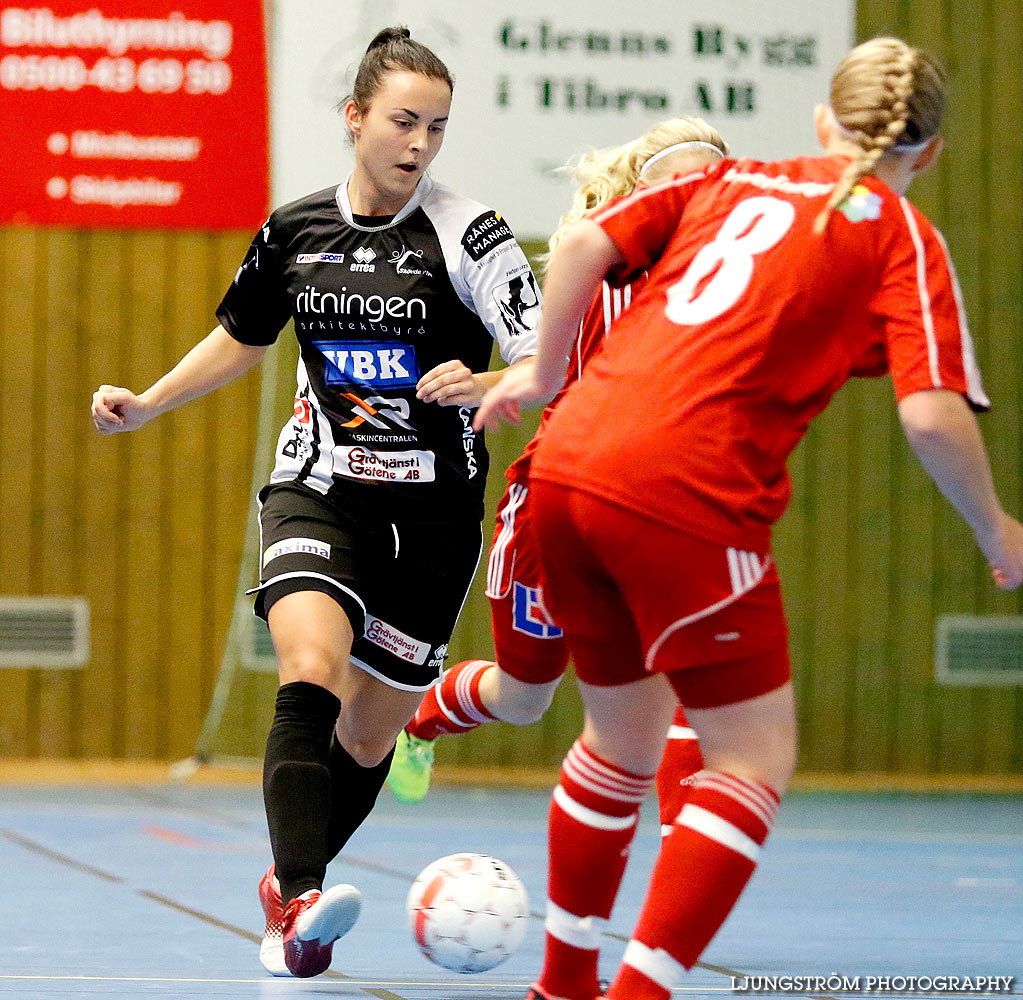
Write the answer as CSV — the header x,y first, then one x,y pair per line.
x,y
358,462
363,256
379,364
519,302
320,258
252,261
378,411
439,657
485,233
529,615
395,641
308,546
373,308
468,441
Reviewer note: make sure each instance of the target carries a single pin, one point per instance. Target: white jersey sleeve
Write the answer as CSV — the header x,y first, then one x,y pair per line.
x,y
488,270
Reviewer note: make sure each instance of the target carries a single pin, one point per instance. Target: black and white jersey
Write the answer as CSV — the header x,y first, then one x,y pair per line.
x,y
374,309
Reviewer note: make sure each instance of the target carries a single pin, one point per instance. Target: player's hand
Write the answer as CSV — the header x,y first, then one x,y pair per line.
x,y
116,409
1004,550
523,386
449,384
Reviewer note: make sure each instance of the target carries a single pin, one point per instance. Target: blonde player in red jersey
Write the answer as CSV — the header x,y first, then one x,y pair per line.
x,y
530,650
661,473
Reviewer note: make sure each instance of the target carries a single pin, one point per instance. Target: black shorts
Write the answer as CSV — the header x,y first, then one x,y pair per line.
x,y
402,584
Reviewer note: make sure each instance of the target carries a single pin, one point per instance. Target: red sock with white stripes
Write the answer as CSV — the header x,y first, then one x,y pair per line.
x,y
703,867
593,818
454,705
682,759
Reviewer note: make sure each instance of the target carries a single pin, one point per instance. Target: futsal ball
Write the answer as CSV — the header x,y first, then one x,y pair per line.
x,y
468,912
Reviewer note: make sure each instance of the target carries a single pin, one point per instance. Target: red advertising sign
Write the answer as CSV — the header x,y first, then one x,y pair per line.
x,y
134,114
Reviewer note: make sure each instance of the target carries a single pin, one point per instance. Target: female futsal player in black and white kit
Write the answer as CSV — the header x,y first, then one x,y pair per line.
x,y
371,521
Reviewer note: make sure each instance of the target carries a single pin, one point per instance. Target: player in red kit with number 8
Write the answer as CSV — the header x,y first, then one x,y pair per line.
x,y
662,471
530,650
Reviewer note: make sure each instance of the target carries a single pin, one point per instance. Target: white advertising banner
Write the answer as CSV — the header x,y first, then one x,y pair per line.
x,y
538,83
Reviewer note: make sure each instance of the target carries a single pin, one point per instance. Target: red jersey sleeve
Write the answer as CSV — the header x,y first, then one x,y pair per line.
x,y
919,306
641,224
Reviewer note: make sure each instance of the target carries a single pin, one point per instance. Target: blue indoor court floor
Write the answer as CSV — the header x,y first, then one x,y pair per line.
x,y
151,892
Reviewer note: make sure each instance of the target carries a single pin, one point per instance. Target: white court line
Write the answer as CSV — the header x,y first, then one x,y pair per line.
x,y
378,983
906,837
447,985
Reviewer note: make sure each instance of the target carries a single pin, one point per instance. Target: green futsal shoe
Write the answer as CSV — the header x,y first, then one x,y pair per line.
x,y
409,776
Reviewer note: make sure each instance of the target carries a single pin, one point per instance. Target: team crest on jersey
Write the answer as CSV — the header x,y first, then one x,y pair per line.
x,y
406,262
320,258
379,364
484,233
861,205
529,614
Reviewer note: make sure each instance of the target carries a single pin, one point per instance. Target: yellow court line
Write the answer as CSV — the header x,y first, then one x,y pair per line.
x,y
124,979
22,771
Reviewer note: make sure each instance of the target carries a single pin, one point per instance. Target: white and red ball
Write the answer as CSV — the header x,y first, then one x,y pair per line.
x,y
468,912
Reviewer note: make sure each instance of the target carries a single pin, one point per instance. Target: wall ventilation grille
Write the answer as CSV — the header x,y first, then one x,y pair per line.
x,y
982,650
44,632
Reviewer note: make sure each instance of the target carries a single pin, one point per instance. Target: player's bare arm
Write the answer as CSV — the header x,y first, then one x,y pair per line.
x,y
945,437
454,384
581,261
213,362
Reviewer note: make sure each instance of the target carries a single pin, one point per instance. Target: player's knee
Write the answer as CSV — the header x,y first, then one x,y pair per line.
x,y
521,704
525,708
368,752
770,765
309,662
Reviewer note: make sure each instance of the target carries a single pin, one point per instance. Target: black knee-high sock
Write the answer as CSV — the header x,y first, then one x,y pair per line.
x,y
353,792
296,785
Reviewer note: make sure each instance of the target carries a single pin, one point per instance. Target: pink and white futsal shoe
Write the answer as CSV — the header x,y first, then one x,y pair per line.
x,y
313,922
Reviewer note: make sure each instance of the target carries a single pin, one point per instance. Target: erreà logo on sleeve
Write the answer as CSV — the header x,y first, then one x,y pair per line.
x,y
484,233
376,363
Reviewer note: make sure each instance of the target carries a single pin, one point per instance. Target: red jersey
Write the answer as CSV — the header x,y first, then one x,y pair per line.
x,y
748,325
605,308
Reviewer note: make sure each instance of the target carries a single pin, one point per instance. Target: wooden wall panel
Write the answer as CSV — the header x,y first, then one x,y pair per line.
x,y
150,526
19,430
1004,313
143,498
864,658
115,519
61,431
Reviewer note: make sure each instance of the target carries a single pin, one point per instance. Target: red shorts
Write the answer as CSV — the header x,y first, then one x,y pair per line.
x,y
529,646
635,596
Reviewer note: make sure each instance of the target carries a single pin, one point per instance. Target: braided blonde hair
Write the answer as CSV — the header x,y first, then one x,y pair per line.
x,y
885,95
603,174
